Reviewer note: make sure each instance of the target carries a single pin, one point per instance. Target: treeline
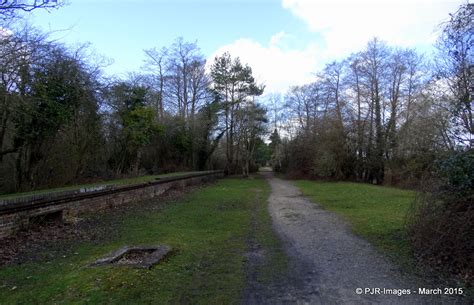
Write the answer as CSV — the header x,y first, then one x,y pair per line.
x,y
387,115
384,114
64,122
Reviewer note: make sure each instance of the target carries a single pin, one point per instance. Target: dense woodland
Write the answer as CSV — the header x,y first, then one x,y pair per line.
x,y
383,115
64,122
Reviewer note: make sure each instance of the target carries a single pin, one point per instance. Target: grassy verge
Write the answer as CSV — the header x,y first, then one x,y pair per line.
x,y
376,213
276,262
208,228
125,181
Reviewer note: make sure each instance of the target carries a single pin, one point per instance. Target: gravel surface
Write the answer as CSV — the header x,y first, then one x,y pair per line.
x,y
327,262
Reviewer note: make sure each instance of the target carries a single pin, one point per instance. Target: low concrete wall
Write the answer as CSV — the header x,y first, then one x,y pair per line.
x,y
17,215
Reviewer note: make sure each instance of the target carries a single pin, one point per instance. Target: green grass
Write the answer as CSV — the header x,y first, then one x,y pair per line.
x,y
376,213
209,229
125,181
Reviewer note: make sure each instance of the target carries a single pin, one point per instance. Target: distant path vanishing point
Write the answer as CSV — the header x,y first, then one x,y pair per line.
x,y
327,262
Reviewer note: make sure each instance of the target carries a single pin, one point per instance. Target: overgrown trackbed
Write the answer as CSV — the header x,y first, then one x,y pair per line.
x,y
327,262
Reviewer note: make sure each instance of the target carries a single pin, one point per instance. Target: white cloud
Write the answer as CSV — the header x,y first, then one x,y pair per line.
x,y
272,65
277,38
4,32
346,25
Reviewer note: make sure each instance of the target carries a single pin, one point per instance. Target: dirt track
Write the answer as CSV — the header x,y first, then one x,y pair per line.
x,y
327,262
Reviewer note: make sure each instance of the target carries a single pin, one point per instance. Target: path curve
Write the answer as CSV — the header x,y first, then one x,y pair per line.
x,y
327,262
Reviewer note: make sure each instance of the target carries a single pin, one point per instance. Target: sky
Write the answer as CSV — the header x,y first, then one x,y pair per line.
x,y
284,41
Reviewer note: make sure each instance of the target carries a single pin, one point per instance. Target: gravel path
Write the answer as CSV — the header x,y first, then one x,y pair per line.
x,y
327,262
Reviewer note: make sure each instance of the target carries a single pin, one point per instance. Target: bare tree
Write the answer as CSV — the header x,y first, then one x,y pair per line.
x,y
303,103
375,67
156,64
332,80
12,9
455,68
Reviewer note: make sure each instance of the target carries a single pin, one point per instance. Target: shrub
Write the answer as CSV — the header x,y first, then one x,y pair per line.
x,y
442,226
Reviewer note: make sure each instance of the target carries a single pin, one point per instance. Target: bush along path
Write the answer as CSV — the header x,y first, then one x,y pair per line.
x,y
330,265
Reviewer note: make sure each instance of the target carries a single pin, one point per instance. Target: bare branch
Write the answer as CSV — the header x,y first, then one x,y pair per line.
x,y
11,9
